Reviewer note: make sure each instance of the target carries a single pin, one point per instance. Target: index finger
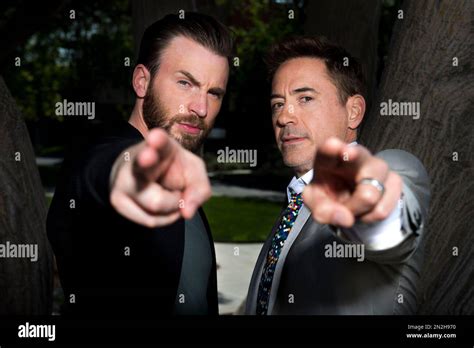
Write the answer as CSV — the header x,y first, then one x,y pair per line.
x,y
155,156
336,155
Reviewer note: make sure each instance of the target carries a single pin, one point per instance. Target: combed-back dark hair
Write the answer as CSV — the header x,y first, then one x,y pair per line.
x,y
348,78
201,28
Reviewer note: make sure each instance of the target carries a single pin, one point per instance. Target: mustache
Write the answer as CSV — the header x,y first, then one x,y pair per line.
x,y
292,131
190,119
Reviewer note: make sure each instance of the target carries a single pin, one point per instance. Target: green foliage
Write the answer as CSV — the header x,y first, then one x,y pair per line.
x,y
256,24
73,59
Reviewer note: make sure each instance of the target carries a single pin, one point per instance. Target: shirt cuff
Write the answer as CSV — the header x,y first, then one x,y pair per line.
x,y
380,235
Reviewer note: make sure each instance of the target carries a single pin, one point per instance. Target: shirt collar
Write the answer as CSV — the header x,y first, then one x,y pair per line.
x,y
298,184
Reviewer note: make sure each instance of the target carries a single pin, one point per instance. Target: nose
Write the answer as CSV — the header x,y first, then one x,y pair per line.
x,y
286,116
198,105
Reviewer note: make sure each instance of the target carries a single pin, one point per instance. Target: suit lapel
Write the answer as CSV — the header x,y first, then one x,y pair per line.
x,y
251,304
300,222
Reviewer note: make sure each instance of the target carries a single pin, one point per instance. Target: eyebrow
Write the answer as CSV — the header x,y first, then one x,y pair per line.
x,y
295,91
194,81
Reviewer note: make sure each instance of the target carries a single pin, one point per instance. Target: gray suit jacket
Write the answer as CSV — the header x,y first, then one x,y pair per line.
x,y
308,282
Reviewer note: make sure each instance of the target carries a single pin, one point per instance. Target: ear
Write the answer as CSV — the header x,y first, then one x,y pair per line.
x,y
140,80
355,107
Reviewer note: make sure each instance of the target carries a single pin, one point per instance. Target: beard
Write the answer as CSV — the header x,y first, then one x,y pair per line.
x,y
155,115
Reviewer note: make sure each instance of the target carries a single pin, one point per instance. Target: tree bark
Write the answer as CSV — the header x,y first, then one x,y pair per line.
x,y
25,286
421,68
352,24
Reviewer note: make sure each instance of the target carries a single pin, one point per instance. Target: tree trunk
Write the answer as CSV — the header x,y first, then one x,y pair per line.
x,y
352,24
25,285
422,68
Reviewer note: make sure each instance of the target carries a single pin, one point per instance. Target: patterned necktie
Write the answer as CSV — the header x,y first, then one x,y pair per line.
x,y
286,223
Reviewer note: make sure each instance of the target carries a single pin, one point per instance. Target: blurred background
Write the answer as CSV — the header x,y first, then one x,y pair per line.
x,y
89,55
85,51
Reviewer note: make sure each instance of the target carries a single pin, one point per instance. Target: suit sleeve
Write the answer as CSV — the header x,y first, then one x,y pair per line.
x,y
95,172
415,204
411,216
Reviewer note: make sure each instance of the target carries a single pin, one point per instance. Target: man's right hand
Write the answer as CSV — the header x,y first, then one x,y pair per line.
x,y
157,181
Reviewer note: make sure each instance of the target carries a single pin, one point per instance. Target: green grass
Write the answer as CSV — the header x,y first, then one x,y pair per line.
x,y
52,150
48,200
240,219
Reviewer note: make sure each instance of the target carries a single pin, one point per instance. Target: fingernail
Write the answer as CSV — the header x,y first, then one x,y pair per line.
x,y
190,211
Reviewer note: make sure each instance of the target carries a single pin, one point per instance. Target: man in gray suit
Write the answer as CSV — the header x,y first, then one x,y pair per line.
x,y
362,253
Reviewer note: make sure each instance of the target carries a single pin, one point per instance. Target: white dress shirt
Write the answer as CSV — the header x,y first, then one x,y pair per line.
x,y
381,235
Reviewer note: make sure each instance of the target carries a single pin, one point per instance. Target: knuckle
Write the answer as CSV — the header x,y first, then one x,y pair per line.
x,y
201,164
114,199
156,204
398,181
382,166
317,215
205,192
317,194
381,212
208,192
317,212
369,196
323,211
150,222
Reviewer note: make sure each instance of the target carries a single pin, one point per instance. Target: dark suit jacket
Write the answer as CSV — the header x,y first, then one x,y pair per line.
x,y
307,282
91,241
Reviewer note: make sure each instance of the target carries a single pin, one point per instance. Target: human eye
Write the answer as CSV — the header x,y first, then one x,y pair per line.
x,y
216,95
276,106
184,83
